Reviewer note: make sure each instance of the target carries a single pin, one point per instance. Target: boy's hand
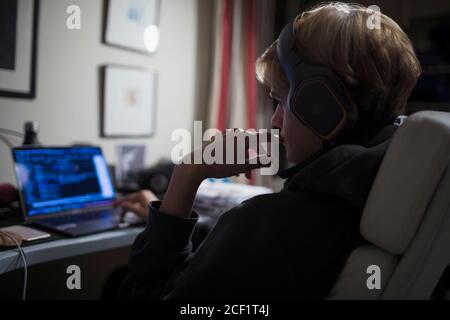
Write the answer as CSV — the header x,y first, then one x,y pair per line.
x,y
137,203
243,158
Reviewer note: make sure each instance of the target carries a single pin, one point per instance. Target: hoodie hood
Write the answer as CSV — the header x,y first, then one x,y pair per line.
x,y
346,171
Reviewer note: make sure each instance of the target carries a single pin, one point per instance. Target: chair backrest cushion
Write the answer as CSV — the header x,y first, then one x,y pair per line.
x,y
352,282
409,174
408,205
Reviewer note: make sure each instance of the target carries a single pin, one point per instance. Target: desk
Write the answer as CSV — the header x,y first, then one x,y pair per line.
x,y
66,248
97,255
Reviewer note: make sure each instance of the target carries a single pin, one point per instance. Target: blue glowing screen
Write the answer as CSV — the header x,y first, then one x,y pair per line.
x,y
54,180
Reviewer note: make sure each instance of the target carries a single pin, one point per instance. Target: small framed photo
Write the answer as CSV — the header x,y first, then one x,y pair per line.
x,y
129,98
18,38
133,24
130,162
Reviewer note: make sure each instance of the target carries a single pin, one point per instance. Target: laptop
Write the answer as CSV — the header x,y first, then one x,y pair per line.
x,y
66,189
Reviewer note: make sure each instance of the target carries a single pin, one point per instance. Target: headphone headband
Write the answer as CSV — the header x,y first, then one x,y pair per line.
x,y
286,49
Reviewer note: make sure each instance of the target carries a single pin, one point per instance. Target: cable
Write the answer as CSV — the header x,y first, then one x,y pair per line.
x,y
21,252
25,265
19,135
11,132
6,141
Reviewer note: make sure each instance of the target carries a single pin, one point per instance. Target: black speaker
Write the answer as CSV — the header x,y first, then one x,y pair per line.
x,y
157,178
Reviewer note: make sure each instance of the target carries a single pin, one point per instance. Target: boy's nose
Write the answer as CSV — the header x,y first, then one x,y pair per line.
x,y
277,118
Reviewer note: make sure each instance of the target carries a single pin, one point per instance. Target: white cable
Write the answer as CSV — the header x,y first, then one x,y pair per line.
x,y
11,132
25,265
21,252
6,141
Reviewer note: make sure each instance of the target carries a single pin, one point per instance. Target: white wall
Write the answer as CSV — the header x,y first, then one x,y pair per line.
x,y
67,102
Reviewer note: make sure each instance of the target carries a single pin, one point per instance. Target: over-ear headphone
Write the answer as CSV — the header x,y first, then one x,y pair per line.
x,y
317,95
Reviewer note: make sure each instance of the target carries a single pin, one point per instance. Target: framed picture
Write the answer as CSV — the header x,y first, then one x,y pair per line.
x,y
133,24
18,38
130,163
129,97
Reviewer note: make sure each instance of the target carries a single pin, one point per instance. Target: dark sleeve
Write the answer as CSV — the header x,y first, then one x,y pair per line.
x,y
160,250
234,260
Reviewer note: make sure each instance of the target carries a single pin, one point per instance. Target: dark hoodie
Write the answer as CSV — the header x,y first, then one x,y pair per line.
x,y
287,245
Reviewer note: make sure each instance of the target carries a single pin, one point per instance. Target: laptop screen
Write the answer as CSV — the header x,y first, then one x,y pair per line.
x,y
53,180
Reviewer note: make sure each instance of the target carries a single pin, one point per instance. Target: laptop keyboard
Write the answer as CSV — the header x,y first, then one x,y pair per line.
x,y
80,217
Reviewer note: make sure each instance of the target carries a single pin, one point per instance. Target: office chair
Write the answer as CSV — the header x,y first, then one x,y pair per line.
x,y
407,216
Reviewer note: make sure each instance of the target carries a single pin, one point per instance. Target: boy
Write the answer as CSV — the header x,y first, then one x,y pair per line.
x,y
291,244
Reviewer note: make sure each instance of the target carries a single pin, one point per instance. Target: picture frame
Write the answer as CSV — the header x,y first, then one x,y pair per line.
x,y
18,48
128,100
130,162
132,25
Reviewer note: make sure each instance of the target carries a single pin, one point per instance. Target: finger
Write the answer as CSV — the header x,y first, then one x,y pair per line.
x,y
122,213
143,196
269,136
136,208
246,168
247,147
132,197
241,145
147,196
260,160
229,146
264,139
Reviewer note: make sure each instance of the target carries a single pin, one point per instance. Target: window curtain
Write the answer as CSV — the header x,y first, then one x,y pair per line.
x,y
242,30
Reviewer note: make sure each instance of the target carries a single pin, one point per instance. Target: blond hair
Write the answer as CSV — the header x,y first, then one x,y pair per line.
x,y
379,66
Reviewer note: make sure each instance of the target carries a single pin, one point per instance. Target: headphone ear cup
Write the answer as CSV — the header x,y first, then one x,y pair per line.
x,y
316,104
294,104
